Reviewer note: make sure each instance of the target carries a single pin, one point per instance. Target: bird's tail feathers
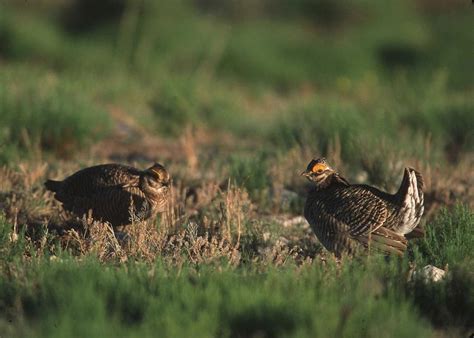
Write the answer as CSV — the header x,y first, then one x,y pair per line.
x,y
52,185
386,241
410,196
418,232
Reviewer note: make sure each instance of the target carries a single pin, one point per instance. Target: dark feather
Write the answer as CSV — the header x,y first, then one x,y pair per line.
x,y
345,217
113,193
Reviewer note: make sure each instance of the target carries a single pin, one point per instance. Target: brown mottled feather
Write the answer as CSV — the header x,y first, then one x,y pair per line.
x,y
114,193
347,217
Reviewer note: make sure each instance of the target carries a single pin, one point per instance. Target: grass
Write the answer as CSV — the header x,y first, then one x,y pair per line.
x,y
234,100
181,283
45,294
55,296
450,230
251,173
54,117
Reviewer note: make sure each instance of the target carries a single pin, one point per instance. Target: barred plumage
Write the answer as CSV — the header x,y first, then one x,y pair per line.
x,y
114,193
347,217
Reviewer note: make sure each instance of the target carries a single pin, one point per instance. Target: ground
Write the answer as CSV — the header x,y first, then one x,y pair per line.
x,y
234,99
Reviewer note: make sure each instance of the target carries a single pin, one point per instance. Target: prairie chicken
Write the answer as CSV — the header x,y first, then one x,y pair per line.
x,y
114,193
348,217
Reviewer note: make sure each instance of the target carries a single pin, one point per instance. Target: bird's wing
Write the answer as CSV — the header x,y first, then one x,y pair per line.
x,y
331,232
94,179
358,208
344,217
385,240
112,204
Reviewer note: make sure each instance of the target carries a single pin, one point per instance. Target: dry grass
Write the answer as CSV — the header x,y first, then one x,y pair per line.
x,y
209,215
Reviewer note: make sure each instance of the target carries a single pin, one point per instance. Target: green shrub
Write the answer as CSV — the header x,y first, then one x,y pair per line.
x,y
449,303
251,173
64,298
448,244
449,238
180,103
37,111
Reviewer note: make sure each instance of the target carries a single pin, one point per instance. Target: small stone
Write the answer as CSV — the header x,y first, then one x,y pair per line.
x,y
430,273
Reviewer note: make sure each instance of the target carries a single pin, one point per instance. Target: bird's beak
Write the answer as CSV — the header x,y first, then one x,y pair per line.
x,y
305,173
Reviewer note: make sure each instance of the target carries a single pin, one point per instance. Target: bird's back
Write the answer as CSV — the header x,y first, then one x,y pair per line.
x,y
345,216
108,190
354,208
94,179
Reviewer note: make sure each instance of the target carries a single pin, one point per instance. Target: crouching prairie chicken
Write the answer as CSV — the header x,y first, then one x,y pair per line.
x,y
114,193
348,217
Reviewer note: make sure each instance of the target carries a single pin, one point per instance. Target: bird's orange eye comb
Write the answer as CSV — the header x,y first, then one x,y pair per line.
x,y
319,166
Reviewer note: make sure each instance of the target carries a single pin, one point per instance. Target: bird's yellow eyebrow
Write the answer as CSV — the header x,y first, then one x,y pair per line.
x,y
319,166
156,172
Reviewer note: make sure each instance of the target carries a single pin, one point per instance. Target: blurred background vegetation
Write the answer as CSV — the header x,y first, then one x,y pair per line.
x,y
278,73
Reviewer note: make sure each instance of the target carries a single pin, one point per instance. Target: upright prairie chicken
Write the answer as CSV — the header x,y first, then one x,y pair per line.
x,y
114,193
348,217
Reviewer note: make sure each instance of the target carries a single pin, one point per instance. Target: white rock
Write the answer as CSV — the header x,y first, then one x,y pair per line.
x,y
298,220
430,273
266,236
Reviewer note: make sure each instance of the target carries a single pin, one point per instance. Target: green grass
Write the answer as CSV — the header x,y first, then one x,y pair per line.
x,y
280,51
53,117
375,85
57,298
449,238
44,296
252,174
448,243
181,102
191,70
450,301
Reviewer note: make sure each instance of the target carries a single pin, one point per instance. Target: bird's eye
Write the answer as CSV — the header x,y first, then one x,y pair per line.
x,y
319,171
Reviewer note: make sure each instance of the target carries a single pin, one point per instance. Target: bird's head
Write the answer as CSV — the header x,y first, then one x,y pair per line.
x,y
157,178
318,171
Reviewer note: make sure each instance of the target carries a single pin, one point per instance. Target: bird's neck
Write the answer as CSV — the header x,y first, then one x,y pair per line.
x,y
332,180
147,189
151,194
